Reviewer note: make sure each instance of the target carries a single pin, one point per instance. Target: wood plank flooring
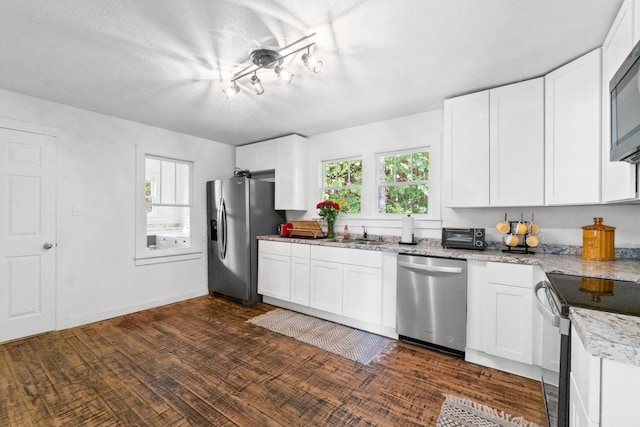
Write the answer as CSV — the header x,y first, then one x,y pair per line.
x,y
199,363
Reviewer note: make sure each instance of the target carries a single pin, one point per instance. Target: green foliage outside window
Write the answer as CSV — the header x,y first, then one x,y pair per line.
x,y
343,182
404,186
148,195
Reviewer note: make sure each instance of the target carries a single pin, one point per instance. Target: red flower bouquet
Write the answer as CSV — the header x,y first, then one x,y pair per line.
x,y
329,211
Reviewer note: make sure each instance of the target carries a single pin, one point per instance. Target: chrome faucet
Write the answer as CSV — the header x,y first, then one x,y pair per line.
x,y
364,232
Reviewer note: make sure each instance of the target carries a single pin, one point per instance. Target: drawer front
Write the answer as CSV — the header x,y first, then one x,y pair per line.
x,y
347,256
275,248
510,274
300,250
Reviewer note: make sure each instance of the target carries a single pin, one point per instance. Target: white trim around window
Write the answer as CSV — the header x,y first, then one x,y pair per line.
x,y
144,256
433,206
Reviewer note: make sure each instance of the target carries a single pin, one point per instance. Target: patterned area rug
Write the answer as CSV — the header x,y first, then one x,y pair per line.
x,y
347,342
460,412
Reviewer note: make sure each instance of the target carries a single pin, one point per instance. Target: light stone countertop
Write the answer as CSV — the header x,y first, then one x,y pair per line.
x,y
605,335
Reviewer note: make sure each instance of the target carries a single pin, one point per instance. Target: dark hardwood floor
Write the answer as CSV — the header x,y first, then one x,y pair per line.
x,y
198,362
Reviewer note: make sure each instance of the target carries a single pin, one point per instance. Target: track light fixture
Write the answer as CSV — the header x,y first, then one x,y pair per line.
x,y
270,58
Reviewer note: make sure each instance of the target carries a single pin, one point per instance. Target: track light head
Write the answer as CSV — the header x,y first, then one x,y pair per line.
x,y
232,91
311,62
284,74
257,85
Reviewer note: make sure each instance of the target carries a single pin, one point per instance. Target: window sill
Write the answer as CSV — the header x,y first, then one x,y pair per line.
x,y
165,256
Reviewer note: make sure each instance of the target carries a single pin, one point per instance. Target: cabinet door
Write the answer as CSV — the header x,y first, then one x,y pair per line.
x,y
362,293
466,151
508,327
517,144
326,286
618,178
260,156
300,280
572,132
585,378
291,173
619,394
578,416
274,276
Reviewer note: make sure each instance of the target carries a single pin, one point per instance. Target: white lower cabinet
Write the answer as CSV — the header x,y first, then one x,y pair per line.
x,y
326,286
274,270
509,308
362,293
300,273
578,414
602,392
500,329
509,324
351,286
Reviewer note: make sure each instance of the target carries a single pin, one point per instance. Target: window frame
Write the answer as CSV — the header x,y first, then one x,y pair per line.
x,y
429,182
323,169
144,256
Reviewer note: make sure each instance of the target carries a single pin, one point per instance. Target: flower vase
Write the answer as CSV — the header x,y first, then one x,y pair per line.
x,y
331,233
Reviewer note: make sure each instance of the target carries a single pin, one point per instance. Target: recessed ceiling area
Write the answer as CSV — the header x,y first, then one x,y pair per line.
x,y
165,63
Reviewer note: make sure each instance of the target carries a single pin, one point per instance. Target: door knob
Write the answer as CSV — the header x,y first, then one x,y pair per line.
x,y
47,245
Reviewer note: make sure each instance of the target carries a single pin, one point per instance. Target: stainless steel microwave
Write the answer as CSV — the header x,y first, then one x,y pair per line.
x,y
624,88
463,238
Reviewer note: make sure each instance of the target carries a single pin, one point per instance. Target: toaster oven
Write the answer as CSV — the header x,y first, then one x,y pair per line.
x,y
463,238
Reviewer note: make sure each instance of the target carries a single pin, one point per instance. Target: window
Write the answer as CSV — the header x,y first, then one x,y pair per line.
x,y
342,181
168,202
165,210
403,184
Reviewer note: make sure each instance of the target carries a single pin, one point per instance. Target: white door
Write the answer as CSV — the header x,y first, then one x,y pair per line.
x,y
27,234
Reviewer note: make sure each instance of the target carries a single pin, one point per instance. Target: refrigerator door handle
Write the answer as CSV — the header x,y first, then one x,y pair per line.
x,y
222,247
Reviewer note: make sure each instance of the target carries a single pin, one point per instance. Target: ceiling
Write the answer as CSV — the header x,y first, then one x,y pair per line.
x,y
165,62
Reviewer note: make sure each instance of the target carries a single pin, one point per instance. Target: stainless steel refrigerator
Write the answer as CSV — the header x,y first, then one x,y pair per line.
x,y
238,209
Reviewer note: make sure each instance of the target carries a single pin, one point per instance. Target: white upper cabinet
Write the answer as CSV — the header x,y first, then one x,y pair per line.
x,y
466,150
287,157
291,173
618,178
517,144
260,156
494,145
572,132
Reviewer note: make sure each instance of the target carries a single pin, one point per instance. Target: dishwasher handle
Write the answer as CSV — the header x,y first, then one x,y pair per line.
x,y
430,268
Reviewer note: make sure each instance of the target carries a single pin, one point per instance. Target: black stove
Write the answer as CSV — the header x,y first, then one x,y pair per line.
x,y
615,296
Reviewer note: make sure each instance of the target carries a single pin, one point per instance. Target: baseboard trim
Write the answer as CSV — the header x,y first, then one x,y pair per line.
x,y
104,315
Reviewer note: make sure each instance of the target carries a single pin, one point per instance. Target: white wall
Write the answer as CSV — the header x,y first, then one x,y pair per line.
x,y
418,130
96,277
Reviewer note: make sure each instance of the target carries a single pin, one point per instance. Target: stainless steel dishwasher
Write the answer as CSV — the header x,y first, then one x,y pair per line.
x,y
432,302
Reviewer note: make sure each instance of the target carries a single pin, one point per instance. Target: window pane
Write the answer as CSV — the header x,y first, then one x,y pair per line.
x,y
330,175
348,196
355,172
342,177
167,182
403,168
421,166
169,228
403,199
387,168
182,183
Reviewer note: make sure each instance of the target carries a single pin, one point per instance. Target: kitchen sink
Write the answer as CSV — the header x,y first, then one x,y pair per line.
x,y
360,241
